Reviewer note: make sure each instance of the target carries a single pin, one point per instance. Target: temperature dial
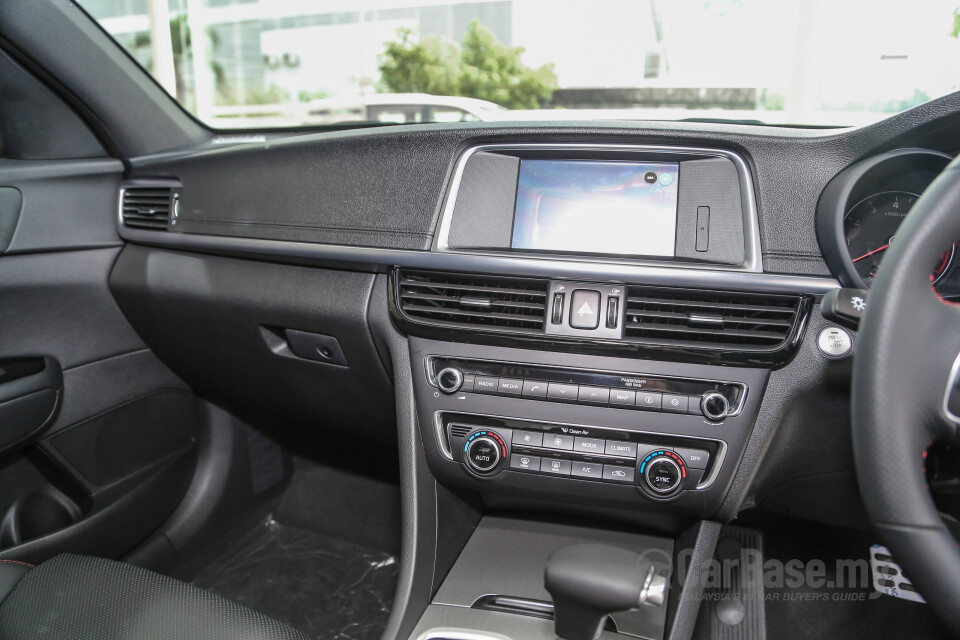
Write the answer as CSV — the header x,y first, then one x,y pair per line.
x,y
484,452
663,472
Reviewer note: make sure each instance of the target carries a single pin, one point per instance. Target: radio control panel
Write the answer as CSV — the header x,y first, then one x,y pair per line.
x,y
603,432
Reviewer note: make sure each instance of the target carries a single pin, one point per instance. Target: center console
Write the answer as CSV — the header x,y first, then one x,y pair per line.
x,y
575,388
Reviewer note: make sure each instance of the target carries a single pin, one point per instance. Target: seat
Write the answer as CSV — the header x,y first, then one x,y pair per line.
x,y
71,597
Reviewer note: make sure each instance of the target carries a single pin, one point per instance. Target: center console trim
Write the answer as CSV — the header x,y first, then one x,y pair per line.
x,y
752,258
705,483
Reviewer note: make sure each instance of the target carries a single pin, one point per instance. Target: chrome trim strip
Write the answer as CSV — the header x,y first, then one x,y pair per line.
x,y
744,389
705,483
951,382
752,262
379,260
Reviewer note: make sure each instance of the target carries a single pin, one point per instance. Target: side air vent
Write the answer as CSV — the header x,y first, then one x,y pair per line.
x,y
689,318
147,207
513,304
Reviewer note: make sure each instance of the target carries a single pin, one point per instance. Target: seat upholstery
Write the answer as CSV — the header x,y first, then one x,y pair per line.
x,y
73,596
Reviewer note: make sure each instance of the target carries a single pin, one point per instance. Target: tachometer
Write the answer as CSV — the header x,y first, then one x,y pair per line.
x,y
870,227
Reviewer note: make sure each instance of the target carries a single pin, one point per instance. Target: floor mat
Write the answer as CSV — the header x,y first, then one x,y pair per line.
x,y
325,587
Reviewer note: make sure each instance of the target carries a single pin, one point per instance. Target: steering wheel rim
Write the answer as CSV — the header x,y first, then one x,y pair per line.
x,y
908,342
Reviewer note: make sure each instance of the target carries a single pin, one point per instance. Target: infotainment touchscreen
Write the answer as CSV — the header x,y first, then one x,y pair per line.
x,y
595,206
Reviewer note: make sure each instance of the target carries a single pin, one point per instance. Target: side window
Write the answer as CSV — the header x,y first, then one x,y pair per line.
x,y
35,124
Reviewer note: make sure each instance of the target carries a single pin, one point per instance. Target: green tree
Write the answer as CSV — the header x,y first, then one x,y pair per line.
x,y
482,67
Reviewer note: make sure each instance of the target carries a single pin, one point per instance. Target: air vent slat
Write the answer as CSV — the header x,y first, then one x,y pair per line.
x,y
469,301
146,207
710,319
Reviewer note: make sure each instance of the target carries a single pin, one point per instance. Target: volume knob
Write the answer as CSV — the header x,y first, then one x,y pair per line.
x,y
450,380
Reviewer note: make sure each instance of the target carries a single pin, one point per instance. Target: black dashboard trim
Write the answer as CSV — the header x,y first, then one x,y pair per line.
x,y
381,260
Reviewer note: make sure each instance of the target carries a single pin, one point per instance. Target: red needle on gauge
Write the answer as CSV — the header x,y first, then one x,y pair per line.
x,y
867,255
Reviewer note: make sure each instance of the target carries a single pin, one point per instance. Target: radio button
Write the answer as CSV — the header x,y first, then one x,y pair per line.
x,y
623,398
587,470
616,473
510,387
523,462
589,445
675,403
486,384
562,392
649,401
534,389
554,466
527,438
557,441
593,395
621,448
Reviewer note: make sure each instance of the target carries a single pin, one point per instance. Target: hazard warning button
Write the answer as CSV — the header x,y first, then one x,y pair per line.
x,y
585,309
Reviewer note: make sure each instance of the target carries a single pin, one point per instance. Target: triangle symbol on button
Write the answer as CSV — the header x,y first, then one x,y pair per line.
x,y
585,310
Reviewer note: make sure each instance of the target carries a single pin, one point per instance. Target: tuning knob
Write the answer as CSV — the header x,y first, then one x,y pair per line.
x,y
714,406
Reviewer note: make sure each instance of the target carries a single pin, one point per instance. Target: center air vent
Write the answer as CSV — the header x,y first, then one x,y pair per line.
x,y
691,318
147,207
514,304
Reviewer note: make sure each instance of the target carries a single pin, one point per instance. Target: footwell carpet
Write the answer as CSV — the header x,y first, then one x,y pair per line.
x,y
326,587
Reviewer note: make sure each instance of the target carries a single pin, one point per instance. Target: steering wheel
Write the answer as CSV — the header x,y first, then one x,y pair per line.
x,y
903,373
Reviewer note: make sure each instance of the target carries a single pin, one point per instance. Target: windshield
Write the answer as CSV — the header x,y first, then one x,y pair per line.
x,y
307,63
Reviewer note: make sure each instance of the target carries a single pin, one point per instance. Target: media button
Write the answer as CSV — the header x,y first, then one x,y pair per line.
x,y
554,466
510,387
589,445
557,441
587,470
649,401
523,462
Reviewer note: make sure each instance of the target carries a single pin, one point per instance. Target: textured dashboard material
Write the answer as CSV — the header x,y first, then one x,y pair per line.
x,y
384,188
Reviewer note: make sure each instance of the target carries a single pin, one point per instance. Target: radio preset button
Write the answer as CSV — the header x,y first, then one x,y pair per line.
x,y
589,445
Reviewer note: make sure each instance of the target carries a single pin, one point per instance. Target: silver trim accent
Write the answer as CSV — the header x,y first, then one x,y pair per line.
x,y
705,483
744,389
752,258
951,382
380,260
654,589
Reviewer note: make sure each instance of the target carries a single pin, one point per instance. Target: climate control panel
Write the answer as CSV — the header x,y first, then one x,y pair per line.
x,y
661,469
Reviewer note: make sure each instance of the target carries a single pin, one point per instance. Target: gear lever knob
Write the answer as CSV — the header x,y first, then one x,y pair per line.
x,y
590,581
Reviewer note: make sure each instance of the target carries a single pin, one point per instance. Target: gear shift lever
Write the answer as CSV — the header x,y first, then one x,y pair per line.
x,y
590,581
